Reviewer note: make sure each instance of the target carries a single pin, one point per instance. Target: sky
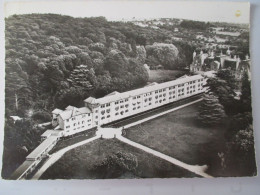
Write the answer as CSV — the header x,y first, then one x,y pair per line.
x,y
236,12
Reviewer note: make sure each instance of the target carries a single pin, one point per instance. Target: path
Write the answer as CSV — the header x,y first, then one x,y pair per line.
x,y
57,155
116,132
199,170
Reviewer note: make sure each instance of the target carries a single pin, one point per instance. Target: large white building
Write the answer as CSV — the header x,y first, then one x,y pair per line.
x,y
116,106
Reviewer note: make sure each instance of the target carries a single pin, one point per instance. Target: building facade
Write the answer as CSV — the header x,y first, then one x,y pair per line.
x,y
116,106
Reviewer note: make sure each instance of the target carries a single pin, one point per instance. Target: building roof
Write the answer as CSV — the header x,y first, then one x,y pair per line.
x,y
146,89
47,133
90,100
73,111
56,111
40,149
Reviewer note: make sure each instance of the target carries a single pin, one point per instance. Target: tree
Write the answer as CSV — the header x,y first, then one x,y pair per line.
x,y
211,112
115,165
245,97
225,94
240,153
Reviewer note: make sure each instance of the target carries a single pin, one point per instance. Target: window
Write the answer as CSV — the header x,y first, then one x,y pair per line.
x,y
134,98
83,122
150,99
68,126
117,113
108,116
138,107
164,94
83,115
116,102
96,111
103,118
89,120
122,106
138,96
102,106
164,89
134,108
145,100
117,108
96,117
126,111
108,110
126,100
74,124
103,112
108,104
126,105
67,120
88,114
122,112
134,104
156,91
150,103
156,97
121,101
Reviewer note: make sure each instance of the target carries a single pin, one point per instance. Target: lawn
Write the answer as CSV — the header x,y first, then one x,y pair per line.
x,y
79,163
160,76
180,135
63,143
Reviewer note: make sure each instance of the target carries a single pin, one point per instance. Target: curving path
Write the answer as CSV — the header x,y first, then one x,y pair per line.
x,y
57,155
109,133
199,170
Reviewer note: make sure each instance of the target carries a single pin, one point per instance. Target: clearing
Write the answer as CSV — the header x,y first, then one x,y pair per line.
x,y
160,76
180,135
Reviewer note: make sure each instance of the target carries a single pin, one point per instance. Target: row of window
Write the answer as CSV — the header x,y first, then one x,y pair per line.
x,y
150,93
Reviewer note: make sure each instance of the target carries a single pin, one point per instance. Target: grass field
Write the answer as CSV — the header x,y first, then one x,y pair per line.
x,y
79,162
160,76
179,134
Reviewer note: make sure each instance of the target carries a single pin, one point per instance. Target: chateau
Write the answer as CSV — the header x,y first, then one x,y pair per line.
x,y
116,106
215,61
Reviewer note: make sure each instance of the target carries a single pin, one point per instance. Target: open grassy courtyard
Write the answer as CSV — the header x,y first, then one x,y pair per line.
x,y
80,163
160,76
180,135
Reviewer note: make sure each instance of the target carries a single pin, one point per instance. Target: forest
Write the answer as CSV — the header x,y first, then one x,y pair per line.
x,y
53,61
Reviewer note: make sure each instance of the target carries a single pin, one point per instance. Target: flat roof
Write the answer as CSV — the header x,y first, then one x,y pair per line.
x,y
47,133
21,169
145,89
45,144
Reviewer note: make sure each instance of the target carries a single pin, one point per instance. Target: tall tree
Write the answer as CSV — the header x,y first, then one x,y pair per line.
x,y
245,97
211,112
